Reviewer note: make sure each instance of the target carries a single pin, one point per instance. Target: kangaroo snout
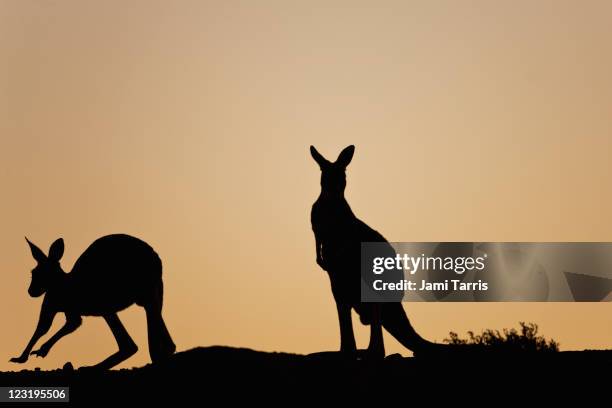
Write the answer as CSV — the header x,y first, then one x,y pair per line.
x,y
35,292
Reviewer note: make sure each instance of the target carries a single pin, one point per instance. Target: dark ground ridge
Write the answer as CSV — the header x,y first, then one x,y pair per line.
x,y
208,373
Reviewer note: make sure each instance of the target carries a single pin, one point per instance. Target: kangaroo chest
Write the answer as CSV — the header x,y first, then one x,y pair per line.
x,y
334,227
332,222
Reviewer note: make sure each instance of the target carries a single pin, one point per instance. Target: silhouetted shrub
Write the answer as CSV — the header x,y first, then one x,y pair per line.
x,y
525,339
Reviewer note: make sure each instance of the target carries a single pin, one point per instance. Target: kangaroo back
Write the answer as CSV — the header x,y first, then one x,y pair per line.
x,y
114,272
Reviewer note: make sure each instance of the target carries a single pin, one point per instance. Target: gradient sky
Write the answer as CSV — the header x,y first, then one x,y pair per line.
x,y
188,123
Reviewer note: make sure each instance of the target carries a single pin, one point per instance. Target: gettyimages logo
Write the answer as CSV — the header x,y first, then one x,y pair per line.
x,y
412,264
486,272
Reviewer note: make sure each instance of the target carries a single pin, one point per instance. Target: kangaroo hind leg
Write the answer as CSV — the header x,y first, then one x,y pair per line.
x,y
161,345
347,336
127,347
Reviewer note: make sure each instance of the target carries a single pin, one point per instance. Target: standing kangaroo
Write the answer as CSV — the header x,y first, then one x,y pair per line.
x,y
112,274
338,237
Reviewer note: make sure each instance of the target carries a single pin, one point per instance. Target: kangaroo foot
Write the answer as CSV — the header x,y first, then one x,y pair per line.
x,y
116,358
349,350
370,355
374,352
89,369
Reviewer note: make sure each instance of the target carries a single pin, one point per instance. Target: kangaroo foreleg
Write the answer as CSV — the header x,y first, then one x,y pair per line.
x,y
72,323
44,324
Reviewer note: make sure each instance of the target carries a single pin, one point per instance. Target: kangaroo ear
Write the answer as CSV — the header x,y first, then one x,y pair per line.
x,y
38,255
346,156
56,251
322,161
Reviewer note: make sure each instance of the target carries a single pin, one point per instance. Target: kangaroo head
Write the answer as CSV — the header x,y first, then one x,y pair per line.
x,y
333,175
48,270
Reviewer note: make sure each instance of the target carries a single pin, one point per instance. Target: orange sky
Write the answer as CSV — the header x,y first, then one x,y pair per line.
x,y
188,124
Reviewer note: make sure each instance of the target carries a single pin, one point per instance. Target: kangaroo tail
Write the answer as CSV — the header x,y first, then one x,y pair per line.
x,y
397,324
161,345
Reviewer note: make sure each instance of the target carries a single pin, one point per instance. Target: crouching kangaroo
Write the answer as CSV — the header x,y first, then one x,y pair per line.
x,y
338,236
112,274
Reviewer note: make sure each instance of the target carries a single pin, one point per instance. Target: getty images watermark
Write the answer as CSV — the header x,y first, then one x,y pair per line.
x,y
486,271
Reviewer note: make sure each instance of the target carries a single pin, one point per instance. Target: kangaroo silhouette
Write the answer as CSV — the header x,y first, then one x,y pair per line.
x,y
113,273
338,237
